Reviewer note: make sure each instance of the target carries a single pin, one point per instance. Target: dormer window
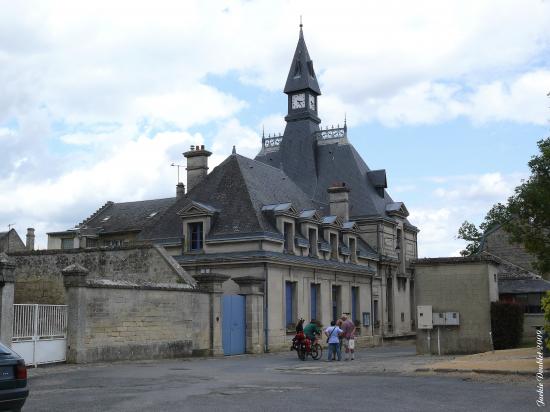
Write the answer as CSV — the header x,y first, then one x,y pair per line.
x,y
105,218
152,215
195,236
289,237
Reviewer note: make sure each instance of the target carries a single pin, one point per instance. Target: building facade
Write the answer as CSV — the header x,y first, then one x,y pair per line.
x,y
306,219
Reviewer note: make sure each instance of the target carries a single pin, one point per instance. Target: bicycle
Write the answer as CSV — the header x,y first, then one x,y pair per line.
x,y
315,350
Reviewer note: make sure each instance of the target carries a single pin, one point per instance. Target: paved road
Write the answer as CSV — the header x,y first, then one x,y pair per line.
x,y
380,379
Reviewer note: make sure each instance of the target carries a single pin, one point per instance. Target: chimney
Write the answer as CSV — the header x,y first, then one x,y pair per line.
x,y
180,190
30,238
338,195
197,165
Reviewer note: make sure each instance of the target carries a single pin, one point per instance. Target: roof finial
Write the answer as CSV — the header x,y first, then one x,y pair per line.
x,y
345,121
234,151
263,131
301,25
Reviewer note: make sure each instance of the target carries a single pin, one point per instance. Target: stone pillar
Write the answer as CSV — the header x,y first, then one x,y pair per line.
x,y
74,280
252,288
180,191
29,244
7,278
212,284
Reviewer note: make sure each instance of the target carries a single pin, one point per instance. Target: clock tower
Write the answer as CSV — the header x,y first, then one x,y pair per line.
x,y
298,147
301,85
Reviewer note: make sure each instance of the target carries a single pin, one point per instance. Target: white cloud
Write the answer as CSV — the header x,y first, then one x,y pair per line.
x,y
69,67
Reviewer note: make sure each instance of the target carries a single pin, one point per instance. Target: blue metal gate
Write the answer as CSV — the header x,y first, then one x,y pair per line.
x,y
233,325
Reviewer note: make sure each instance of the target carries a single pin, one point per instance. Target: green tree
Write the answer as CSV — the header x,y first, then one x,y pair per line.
x,y
498,214
529,209
545,304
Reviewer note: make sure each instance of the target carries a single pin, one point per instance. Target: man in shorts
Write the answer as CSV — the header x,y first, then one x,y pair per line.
x,y
348,327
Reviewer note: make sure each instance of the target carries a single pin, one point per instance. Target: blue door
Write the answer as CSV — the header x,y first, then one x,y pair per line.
x,y
233,325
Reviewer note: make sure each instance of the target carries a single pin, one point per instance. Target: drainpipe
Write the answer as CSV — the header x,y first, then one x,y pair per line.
x,y
266,308
371,311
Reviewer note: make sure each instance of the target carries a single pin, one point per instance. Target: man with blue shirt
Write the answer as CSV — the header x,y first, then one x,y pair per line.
x,y
332,333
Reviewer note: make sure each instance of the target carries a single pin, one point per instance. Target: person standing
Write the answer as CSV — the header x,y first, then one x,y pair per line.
x,y
332,333
348,335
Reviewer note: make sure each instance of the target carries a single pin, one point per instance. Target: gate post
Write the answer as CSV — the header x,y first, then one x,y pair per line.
x,y
252,288
7,278
74,280
212,284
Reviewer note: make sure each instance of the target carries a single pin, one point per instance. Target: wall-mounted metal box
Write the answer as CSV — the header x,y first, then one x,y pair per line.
x,y
452,319
424,317
438,318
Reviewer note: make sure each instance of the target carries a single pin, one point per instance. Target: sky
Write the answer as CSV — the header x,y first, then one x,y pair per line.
x,y
97,99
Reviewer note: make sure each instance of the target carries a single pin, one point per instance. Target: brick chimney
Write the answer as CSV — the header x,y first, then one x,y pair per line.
x,y
338,195
180,190
197,165
30,238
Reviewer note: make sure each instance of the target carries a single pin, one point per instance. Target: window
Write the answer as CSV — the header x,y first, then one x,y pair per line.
x,y
314,301
287,229
355,303
353,249
333,246
67,243
336,302
91,242
312,235
115,243
402,317
375,313
290,305
195,236
401,283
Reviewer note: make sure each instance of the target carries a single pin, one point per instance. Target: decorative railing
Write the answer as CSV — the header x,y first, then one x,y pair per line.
x,y
332,133
272,141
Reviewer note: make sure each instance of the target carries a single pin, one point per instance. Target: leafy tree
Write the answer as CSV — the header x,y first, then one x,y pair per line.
x,y
470,233
526,215
545,304
529,209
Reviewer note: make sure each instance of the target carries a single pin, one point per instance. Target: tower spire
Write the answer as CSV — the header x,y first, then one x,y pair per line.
x,y
301,75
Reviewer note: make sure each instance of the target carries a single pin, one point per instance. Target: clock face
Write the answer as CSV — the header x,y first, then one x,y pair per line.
x,y
312,102
299,101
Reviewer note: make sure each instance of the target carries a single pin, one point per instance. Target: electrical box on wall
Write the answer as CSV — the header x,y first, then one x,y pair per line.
x,y
452,318
438,318
424,316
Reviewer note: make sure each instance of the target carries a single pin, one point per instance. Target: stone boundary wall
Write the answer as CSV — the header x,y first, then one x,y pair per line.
x,y
110,321
38,273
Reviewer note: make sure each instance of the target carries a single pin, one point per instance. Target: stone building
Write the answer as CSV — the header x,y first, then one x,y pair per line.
x,y
11,242
454,296
517,280
306,225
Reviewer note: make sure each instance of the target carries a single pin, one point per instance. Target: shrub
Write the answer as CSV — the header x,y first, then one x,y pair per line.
x,y
545,303
506,324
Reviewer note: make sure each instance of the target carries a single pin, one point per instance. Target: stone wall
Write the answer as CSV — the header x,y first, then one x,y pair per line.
x,y
38,273
147,323
463,285
498,243
530,323
11,242
118,320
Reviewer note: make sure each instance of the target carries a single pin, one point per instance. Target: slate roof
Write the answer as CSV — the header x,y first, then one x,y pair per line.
x,y
336,163
301,74
517,286
239,188
125,216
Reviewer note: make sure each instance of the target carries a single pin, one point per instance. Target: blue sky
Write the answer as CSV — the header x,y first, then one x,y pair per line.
x,y
99,98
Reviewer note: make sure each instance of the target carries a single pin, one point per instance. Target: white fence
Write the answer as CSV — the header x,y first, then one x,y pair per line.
x,y
40,333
